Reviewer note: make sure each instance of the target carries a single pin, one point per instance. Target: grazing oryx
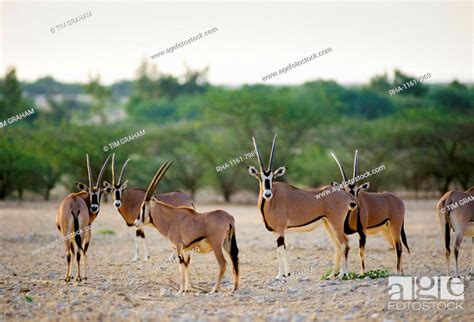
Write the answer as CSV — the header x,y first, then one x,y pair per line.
x,y
71,219
128,202
377,211
285,207
456,212
94,193
187,229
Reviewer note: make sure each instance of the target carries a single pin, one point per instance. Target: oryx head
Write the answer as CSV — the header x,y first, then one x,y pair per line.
x,y
119,186
266,177
143,217
95,193
351,185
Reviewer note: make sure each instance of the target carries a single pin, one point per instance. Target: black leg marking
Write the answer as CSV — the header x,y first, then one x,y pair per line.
x,y
71,247
399,254
346,251
86,246
181,259
140,233
281,241
68,258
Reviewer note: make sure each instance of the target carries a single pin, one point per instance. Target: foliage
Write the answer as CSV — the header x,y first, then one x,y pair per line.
x,y
421,135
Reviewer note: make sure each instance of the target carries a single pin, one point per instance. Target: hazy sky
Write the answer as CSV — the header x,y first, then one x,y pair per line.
x,y
254,39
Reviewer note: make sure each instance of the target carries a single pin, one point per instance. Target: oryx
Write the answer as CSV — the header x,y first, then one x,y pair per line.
x,y
72,218
377,211
128,201
287,208
187,229
456,212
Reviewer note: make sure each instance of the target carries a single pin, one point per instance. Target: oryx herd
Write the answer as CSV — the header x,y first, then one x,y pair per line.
x,y
283,208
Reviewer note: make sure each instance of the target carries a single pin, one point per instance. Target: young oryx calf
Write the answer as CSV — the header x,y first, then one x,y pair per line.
x,y
377,211
286,208
456,212
128,202
72,218
187,229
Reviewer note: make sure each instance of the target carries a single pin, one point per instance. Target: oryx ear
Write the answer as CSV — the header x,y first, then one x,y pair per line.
x,y
81,187
279,172
334,183
253,172
106,184
125,184
107,187
364,186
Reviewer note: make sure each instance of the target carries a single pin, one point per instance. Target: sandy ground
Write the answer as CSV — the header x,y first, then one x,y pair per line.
x,y
118,289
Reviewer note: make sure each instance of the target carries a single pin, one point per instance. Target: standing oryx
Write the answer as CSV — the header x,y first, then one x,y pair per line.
x,y
456,212
187,229
128,202
71,219
377,211
285,207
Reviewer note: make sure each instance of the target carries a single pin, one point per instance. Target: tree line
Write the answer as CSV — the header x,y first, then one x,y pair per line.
x,y
422,135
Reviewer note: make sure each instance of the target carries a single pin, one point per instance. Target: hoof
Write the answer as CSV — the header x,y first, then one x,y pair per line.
x,y
135,259
84,278
78,279
146,258
215,290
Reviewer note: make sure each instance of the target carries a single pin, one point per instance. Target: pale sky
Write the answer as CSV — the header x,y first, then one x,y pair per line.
x,y
254,39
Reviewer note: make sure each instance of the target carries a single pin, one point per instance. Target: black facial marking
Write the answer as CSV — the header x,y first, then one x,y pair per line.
x,y
267,184
117,195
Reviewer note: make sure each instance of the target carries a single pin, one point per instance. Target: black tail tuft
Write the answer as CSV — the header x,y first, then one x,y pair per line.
x,y
234,251
77,235
447,237
404,238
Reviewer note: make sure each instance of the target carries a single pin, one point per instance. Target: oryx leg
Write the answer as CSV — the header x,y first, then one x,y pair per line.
x,y
362,240
137,244
388,237
283,267
217,248
395,232
182,269
187,280
457,245
86,246
69,254
78,259
335,242
146,256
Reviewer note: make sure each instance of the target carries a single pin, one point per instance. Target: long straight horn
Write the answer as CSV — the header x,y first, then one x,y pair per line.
x,y
272,154
343,173
89,172
356,165
156,180
123,170
113,169
259,157
101,173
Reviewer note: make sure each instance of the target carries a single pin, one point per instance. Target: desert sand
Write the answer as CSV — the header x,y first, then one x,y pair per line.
x,y
32,286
